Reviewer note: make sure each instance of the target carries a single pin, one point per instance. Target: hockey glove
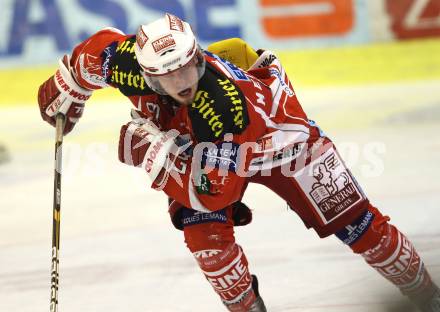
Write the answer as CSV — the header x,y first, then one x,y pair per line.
x,y
142,144
61,94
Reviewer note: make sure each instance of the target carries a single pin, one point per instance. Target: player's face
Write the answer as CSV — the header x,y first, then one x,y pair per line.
x,y
181,84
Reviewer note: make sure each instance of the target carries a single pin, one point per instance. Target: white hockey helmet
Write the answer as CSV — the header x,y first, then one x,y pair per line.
x,y
164,46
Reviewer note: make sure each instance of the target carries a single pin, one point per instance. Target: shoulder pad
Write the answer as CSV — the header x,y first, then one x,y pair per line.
x,y
225,65
219,107
125,70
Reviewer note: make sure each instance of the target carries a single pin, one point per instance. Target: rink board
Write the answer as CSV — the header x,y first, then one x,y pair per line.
x,y
120,252
357,65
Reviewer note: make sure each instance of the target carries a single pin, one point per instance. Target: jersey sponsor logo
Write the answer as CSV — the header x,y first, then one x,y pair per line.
x,y
265,143
175,23
220,181
106,57
88,71
204,105
127,46
235,72
130,79
125,70
219,107
267,61
237,103
329,186
192,217
203,186
223,156
276,158
141,37
163,43
353,232
333,193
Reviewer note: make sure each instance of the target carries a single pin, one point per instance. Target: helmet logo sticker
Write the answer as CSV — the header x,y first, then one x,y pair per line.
x,y
175,23
141,38
163,43
171,62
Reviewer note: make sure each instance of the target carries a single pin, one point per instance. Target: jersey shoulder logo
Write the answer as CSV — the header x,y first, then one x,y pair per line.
x,y
267,61
232,69
125,70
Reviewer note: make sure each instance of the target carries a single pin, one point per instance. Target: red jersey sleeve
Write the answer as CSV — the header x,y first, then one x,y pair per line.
x,y
91,58
107,59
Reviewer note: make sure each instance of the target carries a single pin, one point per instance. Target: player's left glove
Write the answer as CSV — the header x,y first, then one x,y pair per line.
x,y
241,214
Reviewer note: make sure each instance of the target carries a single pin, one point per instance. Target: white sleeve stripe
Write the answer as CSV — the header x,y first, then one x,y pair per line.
x,y
282,126
275,96
113,29
127,144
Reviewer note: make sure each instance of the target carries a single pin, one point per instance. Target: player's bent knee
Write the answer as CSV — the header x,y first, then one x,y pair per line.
x,y
366,231
207,231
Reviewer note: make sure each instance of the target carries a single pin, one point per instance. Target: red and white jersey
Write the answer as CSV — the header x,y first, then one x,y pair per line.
x,y
266,128
232,109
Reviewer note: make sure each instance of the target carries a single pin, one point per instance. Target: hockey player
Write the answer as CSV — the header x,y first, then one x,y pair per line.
x,y
107,59
205,128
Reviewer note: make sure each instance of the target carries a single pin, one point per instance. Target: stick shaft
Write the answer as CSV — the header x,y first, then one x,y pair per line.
x,y
56,213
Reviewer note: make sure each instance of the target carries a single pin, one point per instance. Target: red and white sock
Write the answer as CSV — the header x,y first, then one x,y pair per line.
x,y
227,272
396,259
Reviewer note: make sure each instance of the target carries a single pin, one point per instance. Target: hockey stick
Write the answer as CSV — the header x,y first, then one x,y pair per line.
x,y
60,119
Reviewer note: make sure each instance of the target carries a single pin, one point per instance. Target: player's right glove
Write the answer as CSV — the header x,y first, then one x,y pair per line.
x,y
62,94
143,144
241,214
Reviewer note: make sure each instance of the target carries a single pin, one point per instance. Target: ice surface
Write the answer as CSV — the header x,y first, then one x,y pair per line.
x,y
119,251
